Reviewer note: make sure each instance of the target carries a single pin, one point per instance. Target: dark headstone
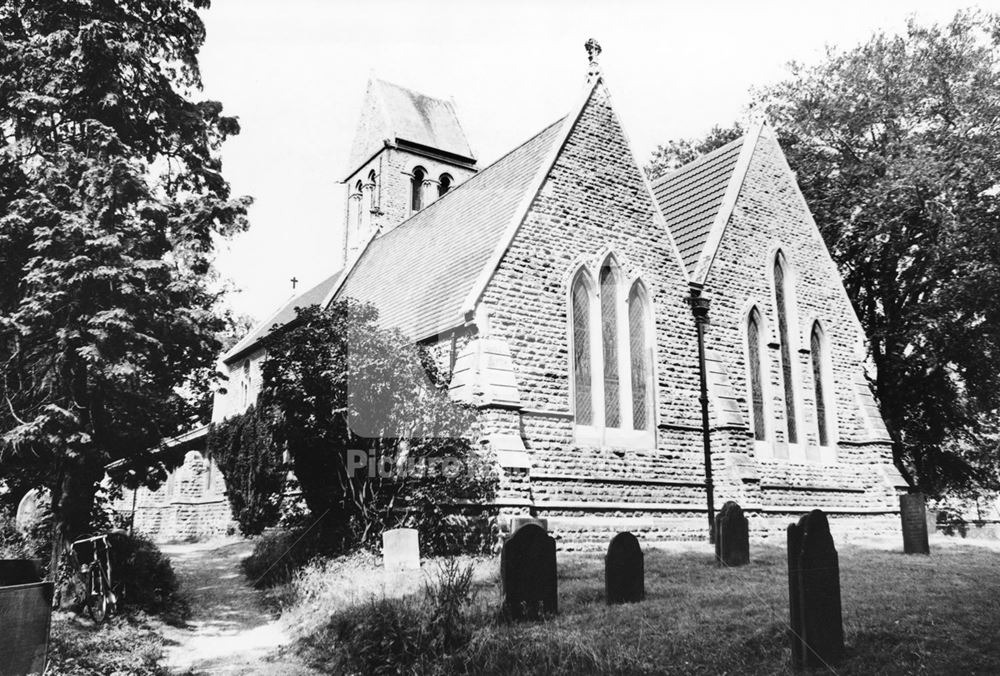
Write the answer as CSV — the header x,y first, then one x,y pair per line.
x,y
624,576
913,514
25,619
817,627
20,571
732,536
528,574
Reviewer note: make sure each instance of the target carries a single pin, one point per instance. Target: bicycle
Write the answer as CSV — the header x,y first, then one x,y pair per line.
x,y
93,570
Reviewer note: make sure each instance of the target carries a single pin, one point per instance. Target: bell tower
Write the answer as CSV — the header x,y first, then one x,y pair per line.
x,y
409,150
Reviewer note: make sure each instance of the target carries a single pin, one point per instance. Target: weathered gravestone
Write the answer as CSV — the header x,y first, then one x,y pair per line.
x,y
32,508
732,536
518,521
528,574
401,549
25,619
624,575
913,514
817,628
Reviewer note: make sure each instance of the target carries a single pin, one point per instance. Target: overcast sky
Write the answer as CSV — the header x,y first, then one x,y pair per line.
x,y
294,72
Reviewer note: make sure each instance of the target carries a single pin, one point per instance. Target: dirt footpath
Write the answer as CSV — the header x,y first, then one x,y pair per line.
x,y
230,630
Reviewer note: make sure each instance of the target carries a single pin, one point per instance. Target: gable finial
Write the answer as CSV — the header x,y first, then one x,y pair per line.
x,y
593,48
756,114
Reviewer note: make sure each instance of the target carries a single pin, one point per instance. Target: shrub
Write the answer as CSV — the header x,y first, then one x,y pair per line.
x,y
452,534
148,579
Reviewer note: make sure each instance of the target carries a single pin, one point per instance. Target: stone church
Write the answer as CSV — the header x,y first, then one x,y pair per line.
x,y
562,290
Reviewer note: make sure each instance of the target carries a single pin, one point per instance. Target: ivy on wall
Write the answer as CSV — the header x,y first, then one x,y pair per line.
x,y
251,463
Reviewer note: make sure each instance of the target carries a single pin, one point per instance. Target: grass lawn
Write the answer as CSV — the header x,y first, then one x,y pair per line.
x,y
937,614
902,614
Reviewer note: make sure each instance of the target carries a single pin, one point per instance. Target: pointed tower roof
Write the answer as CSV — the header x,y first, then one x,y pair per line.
x,y
404,117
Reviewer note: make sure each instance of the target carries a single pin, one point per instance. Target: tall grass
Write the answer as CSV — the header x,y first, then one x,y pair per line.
x,y
415,632
902,614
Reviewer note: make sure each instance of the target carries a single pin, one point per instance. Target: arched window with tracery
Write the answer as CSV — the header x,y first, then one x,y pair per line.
x,y
611,358
818,351
782,302
582,389
609,340
444,184
756,371
639,359
417,189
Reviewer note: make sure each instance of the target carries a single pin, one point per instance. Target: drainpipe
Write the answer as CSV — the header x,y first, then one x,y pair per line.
x,y
699,308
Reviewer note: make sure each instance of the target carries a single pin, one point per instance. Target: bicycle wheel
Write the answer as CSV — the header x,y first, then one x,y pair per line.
x,y
97,597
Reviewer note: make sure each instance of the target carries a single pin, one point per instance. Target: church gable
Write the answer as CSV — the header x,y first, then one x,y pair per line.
x,y
781,317
593,218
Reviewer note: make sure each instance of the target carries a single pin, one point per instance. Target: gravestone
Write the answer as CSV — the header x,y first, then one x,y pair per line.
x,y
401,549
817,628
528,574
518,521
624,575
732,536
25,620
913,514
32,508
20,571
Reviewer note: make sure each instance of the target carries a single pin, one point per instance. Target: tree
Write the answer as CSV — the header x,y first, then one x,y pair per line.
x,y
896,144
374,439
111,199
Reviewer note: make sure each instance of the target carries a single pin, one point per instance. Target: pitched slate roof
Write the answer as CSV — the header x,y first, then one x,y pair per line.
x,y
284,314
419,273
691,196
394,113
